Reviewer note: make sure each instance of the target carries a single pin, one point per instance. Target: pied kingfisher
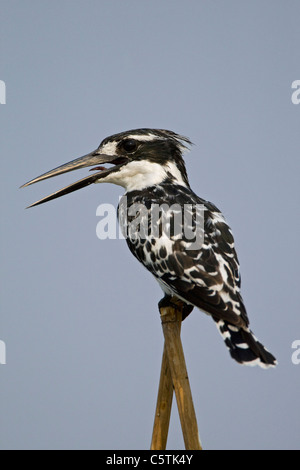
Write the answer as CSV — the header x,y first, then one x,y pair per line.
x,y
148,163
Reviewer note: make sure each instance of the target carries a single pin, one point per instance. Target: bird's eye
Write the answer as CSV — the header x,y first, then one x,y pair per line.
x,y
129,145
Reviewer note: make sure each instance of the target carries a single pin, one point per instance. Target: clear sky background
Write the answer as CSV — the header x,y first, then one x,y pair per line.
x,y
79,315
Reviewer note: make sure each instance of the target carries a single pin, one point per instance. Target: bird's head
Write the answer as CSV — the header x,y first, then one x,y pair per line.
x,y
140,158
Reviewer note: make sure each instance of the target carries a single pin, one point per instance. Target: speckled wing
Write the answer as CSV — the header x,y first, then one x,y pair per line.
x,y
207,277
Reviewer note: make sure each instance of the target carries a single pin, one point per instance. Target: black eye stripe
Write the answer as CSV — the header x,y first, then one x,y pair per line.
x,y
129,145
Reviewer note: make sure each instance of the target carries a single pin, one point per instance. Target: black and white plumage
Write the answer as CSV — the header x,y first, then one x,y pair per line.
x,y
148,163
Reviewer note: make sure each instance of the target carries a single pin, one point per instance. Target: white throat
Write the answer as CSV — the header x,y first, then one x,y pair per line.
x,y
138,175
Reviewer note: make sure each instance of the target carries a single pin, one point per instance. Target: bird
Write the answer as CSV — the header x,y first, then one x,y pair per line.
x,y
200,271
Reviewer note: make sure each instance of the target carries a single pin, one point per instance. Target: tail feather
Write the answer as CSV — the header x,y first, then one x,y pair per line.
x,y
244,347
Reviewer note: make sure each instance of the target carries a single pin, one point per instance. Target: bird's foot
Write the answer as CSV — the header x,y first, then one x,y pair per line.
x,y
177,304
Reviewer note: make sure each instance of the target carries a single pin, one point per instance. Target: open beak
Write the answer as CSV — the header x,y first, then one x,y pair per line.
x,y
91,159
